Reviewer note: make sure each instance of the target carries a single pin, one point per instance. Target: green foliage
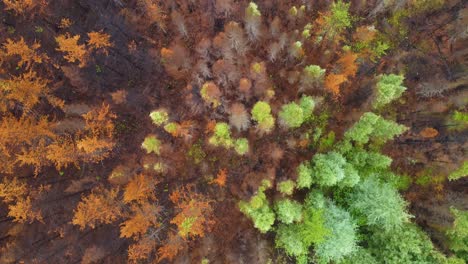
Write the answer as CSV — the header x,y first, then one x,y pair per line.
x,y
460,172
252,10
159,117
241,146
221,136
261,112
291,115
332,168
296,239
196,152
288,211
286,187
379,203
338,19
171,127
458,233
342,239
258,209
460,116
151,144
407,244
326,142
373,126
307,104
360,256
313,74
304,175
389,88
368,162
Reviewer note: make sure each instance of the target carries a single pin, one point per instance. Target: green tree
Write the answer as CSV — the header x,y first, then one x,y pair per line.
x,y
379,203
389,88
291,115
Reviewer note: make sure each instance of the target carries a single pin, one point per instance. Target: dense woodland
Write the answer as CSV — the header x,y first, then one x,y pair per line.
x,y
229,131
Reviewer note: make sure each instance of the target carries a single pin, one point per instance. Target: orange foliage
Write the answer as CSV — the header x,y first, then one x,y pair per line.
x,y
24,130
348,64
141,250
173,245
99,40
94,149
11,190
365,34
101,206
65,23
27,89
62,153
333,82
429,132
210,126
19,6
35,156
144,217
73,51
22,211
221,178
28,55
99,121
140,189
195,212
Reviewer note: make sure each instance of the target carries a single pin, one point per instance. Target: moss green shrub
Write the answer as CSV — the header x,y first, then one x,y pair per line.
x,y
159,117
241,146
151,144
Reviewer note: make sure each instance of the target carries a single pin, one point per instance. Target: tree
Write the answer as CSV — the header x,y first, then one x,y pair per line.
x,y
99,41
342,240
333,169
194,217
27,89
379,203
28,54
372,126
458,233
140,189
288,211
74,52
261,112
389,88
101,206
258,209
19,6
22,211
404,245
144,217
291,115
151,144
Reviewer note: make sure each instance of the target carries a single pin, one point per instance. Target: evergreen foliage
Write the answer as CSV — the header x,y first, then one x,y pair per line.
x,y
389,88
